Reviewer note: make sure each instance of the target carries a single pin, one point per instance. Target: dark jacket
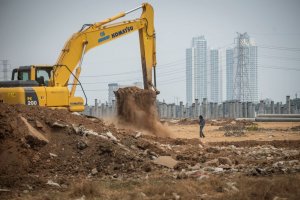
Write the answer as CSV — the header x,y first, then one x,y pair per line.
x,y
202,122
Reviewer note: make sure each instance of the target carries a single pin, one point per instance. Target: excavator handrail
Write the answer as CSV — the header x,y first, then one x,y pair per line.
x,y
86,100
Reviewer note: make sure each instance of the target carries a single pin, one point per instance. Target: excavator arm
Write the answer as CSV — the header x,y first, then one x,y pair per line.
x,y
93,35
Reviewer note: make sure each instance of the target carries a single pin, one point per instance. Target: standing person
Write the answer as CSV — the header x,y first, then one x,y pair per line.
x,y
202,124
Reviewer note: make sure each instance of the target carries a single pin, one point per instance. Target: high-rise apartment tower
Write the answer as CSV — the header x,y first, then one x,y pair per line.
x,y
196,70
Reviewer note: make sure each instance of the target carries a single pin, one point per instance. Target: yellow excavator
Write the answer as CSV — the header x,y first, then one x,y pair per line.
x,y
48,85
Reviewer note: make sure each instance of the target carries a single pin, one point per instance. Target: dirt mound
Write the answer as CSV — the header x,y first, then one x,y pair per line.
x,y
137,108
40,145
66,149
75,145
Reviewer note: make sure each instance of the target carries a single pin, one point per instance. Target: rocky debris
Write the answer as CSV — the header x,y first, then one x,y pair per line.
x,y
81,145
59,124
76,113
81,130
94,171
231,186
203,177
34,138
89,149
279,198
295,128
138,134
166,161
111,136
251,161
50,182
176,196
52,155
224,161
236,130
214,163
212,150
39,124
4,190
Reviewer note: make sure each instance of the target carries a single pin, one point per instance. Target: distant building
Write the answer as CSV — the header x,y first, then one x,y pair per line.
x,y
229,74
215,76
111,95
196,70
253,79
115,86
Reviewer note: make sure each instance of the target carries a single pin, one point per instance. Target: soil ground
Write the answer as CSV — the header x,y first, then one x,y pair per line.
x,y
271,131
88,158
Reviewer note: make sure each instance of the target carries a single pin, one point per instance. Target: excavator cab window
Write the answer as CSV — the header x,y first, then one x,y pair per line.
x,y
20,75
43,75
14,74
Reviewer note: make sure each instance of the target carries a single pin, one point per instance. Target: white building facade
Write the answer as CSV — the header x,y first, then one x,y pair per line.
x,y
196,70
215,76
229,73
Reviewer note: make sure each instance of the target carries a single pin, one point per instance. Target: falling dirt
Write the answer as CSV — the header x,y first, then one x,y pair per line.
x,y
137,107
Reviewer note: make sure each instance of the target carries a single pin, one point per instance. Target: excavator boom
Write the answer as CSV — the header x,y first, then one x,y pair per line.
x,y
103,32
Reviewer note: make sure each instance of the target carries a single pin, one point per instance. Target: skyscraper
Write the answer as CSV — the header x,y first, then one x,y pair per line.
x,y
229,73
215,76
253,83
196,70
241,70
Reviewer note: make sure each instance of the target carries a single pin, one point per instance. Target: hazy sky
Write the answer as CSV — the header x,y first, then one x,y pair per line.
x,y
34,32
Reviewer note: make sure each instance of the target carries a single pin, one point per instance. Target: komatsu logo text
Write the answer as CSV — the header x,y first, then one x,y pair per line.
x,y
103,37
121,32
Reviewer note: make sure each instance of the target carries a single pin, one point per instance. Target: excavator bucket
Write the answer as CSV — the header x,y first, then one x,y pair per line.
x,y
137,107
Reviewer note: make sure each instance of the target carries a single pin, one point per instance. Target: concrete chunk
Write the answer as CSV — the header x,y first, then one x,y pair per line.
x,y
50,182
166,161
58,125
39,124
34,137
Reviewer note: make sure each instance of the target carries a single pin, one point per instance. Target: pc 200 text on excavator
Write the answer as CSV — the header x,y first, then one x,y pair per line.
x,y
48,85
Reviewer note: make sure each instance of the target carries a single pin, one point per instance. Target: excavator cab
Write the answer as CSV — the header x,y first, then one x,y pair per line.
x,y
29,85
31,76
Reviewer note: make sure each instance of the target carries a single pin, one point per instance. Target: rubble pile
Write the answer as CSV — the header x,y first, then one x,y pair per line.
x,y
71,145
261,160
42,148
236,128
233,130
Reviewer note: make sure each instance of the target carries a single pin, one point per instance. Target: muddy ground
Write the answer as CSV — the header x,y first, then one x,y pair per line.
x,y
53,154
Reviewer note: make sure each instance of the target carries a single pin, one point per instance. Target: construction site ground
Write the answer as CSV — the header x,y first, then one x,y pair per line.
x,y
54,154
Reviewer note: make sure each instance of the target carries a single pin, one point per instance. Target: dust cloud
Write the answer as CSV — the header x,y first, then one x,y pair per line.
x,y
137,107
